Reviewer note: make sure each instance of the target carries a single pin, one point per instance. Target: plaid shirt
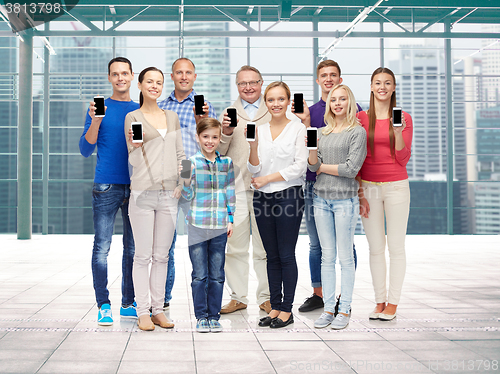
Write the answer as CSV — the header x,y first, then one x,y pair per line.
x,y
184,110
211,191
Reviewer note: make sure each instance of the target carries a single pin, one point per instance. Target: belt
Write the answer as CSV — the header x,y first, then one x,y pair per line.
x,y
376,183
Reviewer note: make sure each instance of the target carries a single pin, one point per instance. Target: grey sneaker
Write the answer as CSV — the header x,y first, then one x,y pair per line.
x,y
324,320
340,322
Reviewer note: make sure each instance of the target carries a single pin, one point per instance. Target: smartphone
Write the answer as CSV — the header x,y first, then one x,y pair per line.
x,y
99,106
298,103
137,130
231,112
312,138
186,169
251,128
199,101
397,117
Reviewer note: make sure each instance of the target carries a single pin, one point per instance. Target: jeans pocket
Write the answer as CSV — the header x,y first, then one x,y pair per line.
x,y
101,187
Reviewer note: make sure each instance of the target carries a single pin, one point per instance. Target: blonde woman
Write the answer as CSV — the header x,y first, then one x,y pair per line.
x,y
340,154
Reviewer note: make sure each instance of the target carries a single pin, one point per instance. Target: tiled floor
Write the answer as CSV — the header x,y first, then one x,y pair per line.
x,y
448,320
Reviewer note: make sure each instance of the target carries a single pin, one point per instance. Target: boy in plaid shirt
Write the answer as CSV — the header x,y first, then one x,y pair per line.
x,y
211,190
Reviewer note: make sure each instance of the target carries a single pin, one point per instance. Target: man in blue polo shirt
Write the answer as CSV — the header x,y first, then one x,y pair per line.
x,y
328,76
181,101
111,189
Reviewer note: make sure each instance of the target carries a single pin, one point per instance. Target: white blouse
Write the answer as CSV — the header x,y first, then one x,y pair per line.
x,y
287,154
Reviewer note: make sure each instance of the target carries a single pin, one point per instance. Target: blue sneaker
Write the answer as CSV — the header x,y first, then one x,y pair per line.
x,y
215,326
202,325
104,316
128,311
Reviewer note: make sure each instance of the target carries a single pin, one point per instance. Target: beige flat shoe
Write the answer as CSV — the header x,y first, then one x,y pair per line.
x,y
161,320
386,317
144,322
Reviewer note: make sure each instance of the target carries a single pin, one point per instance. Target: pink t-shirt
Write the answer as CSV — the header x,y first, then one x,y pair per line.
x,y
383,167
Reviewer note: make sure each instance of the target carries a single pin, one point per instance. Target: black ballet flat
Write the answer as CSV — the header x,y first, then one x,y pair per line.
x,y
266,321
278,323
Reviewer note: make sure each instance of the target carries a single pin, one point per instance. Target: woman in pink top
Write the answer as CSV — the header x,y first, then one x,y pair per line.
x,y
384,191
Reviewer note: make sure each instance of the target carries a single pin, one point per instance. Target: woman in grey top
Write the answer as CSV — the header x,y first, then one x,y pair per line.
x,y
340,154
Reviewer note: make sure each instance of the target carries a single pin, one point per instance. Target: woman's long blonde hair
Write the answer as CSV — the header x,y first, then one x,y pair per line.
x,y
330,120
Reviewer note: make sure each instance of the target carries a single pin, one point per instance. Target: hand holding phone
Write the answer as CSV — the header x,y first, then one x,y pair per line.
x,y
99,106
199,101
137,132
251,129
312,138
397,117
298,103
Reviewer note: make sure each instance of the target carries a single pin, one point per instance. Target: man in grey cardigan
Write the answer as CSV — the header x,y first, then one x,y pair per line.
x,y
250,107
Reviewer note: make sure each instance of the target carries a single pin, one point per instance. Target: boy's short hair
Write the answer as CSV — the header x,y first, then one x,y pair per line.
x,y
324,64
207,123
119,59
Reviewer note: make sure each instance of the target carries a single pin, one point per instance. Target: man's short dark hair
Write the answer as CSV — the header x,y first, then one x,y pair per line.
x,y
119,59
326,63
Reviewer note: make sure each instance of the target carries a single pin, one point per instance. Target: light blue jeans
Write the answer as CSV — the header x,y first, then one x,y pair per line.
x,y
336,222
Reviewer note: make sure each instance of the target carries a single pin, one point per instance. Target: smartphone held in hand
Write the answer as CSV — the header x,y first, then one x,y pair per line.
x,y
298,103
312,138
232,113
99,106
137,132
186,169
199,101
397,117
251,128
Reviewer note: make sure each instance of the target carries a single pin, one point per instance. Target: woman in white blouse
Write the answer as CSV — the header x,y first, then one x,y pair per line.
x,y
278,161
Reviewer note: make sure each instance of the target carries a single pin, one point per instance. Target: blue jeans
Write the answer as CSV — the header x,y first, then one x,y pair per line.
x,y
107,199
184,206
336,221
207,251
278,217
314,244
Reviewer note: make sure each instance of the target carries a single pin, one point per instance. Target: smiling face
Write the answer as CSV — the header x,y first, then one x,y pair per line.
x,y
328,78
277,101
151,85
249,93
183,76
209,140
339,104
383,86
120,76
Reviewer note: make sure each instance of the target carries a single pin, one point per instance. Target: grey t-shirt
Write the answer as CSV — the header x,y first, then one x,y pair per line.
x,y
346,149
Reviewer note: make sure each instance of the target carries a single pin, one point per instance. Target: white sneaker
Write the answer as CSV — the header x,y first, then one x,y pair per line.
x,y
324,320
340,322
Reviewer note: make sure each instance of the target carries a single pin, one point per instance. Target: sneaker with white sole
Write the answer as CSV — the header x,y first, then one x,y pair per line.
x,y
215,325
105,316
340,322
202,325
324,320
128,311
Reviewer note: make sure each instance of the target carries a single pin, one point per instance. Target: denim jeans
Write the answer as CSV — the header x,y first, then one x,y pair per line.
x,y
314,244
278,217
107,199
207,251
336,221
184,206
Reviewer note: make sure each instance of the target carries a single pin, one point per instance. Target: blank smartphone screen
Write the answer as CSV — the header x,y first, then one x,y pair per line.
x,y
312,138
251,131
137,130
231,112
199,101
186,169
99,106
396,117
298,103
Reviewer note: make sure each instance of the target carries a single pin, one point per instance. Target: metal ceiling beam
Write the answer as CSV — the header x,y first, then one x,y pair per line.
x,y
83,20
115,26
383,15
234,18
437,20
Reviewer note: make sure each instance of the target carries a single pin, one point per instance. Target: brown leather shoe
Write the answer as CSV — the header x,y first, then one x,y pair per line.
x,y
161,320
232,306
266,306
144,322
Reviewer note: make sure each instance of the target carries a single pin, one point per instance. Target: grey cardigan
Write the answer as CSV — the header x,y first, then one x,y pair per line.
x,y
346,149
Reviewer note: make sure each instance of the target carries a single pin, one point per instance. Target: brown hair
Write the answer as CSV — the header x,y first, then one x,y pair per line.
x,y
248,68
324,64
278,84
182,59
373,117
207,123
